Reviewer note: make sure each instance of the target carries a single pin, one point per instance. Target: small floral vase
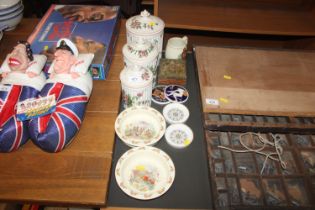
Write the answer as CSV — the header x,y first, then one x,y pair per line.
x,y
136,83
146,27
142,54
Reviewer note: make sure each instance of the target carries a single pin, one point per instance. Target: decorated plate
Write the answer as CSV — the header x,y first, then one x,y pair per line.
x,y
158,95
175,113
145,172
140,126
179,135
176,93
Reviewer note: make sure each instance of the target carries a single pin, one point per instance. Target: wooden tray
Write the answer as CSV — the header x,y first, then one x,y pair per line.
x,y
256,81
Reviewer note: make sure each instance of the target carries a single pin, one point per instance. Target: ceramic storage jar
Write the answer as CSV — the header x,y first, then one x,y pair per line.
x,y
136,83
146,27
142,54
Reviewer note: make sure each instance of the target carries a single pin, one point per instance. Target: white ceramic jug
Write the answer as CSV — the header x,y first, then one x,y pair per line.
x,y
176,48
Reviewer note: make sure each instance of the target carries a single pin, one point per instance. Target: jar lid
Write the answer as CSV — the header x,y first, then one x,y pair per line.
x,y
140,51
136,76
145,24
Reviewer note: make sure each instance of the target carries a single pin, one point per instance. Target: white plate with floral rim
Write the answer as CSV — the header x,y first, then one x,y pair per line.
x,y
179,135
145,172
140,126
175,113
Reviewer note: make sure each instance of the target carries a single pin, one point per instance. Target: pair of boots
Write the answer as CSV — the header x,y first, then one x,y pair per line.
x,y
51,132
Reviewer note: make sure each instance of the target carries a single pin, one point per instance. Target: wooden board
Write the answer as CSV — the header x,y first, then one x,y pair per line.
x,y
257,81
272,17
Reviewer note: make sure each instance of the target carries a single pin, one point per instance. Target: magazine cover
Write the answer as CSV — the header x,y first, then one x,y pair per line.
x,y
94,29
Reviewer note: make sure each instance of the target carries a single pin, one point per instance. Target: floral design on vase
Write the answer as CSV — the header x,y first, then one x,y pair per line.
x,y
136,24
140,53
130,100
144,177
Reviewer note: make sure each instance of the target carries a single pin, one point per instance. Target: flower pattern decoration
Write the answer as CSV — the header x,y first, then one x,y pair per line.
x,y
131,100
136,24
140,53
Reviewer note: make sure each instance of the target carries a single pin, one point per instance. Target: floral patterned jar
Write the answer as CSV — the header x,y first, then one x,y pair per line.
x,y
146,27
136,83
142,54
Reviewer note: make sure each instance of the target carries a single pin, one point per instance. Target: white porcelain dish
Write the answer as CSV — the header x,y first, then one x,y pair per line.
x,y
145,172
175,113
4,4
12,9
140,126
12,14
9,22
179,135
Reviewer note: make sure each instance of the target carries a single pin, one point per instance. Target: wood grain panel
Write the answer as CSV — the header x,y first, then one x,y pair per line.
x,y
105,96
115,68
257,81
257,18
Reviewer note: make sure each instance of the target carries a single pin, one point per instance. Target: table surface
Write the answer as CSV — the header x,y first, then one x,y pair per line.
x,y
80,174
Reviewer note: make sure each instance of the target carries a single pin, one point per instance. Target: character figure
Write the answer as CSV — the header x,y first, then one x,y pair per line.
x,y
71,84
22,79
65,58
20,59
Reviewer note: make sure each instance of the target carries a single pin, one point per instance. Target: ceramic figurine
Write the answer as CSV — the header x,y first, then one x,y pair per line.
x,y
22,80
71,84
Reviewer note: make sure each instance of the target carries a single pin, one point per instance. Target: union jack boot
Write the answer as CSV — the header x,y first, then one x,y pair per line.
x,y
53,132
14,88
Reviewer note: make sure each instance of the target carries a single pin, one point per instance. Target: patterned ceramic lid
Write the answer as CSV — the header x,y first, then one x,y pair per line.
x,y
136,77
140,51
145,24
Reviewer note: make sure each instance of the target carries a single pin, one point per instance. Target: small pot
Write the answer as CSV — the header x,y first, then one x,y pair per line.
x,y
142,54
146,27
136,83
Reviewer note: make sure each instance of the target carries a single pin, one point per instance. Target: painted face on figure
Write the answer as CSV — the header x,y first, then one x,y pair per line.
x,y
64,59
18,60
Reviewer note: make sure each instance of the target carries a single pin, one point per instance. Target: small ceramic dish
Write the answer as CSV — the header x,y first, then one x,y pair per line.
x,y
158,95
145,172
140,126
179,135
175,113
176,93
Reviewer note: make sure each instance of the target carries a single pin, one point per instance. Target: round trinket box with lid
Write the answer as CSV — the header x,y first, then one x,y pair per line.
x,y
142,54
146,27
136,83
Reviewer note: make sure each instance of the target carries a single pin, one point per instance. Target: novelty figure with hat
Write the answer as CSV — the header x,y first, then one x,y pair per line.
x,y
22,79
71,84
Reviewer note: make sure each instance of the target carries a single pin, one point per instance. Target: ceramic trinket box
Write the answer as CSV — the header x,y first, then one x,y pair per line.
x,y
142,54
146,27
136,85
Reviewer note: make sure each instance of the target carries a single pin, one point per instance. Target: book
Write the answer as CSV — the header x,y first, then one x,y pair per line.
x,y
94,29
